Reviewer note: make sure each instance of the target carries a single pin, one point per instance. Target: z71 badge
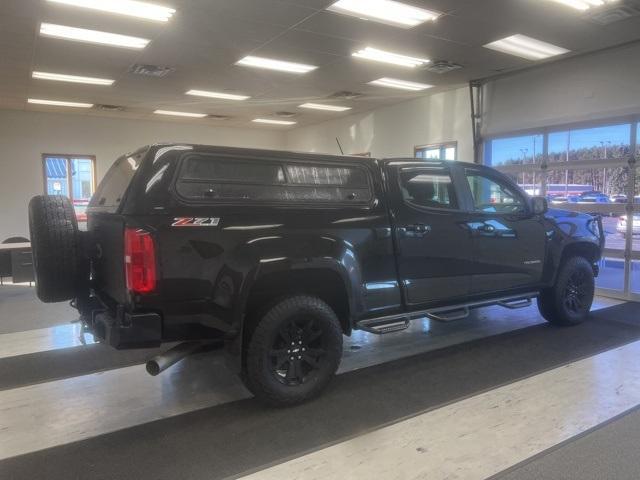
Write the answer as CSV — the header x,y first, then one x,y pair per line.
x,y
195,222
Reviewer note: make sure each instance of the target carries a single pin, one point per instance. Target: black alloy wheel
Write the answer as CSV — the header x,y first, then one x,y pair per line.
x,y
293,351
298,350
576,293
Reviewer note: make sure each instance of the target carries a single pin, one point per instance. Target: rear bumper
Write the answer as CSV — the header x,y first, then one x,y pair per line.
x,y
128,330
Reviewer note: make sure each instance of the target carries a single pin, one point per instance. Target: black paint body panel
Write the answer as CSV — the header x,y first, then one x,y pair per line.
x,y
206,273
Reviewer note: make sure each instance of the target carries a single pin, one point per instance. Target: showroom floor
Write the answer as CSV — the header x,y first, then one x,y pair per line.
x,y
500,393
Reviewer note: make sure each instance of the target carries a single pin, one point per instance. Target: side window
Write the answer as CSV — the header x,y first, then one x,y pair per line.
x,y
312,175
494,196
428,188
208,178
115,183
203,168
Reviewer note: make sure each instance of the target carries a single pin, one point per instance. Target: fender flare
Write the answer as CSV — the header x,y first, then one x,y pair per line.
x,y
351,282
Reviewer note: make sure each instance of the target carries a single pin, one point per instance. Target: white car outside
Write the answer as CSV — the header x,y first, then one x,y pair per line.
x,y
622,225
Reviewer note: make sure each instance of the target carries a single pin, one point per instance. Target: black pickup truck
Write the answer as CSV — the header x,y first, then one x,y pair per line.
x,y
277,255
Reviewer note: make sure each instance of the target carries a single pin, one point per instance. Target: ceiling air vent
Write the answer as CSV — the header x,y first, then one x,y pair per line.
x,y
614,12
219,117
156,71
442,66
346,95
109,108
285,114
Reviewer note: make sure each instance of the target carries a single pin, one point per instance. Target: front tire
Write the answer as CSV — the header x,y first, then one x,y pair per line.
x,y
294,351
569,301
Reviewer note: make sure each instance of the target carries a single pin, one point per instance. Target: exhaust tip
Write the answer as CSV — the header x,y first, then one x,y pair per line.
x,y
153,368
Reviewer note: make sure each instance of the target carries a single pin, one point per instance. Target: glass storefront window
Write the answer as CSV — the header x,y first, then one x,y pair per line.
x,y
597,143
601,189
442,151
635,277
530,182
514,150
72,177
611,275
584,184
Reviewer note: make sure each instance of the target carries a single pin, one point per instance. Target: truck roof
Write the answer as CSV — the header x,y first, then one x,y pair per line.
x,y
296,154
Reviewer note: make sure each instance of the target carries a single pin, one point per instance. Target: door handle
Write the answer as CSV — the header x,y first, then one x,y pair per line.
x,y
486,228
417,230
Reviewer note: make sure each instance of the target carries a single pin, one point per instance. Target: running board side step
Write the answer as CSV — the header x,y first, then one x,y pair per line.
x,y
395,323
380,326
515,304
448,315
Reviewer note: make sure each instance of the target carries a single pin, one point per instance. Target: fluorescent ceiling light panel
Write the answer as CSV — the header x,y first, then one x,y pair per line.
x,y
92,36
584,4
223,96
273,122
272,64
131,8
329,108
61,77
376,55
385,11
180,114
526,47
400,84
58,103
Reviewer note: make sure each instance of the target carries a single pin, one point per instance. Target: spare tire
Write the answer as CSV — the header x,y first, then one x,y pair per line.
x,y
55,242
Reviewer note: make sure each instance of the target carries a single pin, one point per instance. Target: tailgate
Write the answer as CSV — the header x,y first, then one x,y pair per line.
x,y
108,268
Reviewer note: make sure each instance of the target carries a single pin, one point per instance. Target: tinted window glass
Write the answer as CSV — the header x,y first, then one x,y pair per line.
x,y
206,168
209,178
308,175
494,196
114,185
429,189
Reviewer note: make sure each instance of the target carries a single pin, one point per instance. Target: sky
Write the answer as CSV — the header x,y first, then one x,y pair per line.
x,y
518,147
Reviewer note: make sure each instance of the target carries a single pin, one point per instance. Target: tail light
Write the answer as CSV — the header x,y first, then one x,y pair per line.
x,y
139,261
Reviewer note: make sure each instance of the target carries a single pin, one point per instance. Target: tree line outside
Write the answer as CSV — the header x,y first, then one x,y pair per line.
x,y
608,180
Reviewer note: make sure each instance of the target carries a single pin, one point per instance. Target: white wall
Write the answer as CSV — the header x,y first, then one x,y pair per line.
x,y
395,130
25,136
578,89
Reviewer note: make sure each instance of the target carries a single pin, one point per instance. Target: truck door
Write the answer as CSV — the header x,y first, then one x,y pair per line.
x,y
431,233
509,241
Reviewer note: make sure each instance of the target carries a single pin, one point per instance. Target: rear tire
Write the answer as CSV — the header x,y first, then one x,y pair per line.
x,y
569,301
294,351
56,247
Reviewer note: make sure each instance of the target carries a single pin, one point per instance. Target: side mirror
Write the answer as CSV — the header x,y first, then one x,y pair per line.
x,y
539,205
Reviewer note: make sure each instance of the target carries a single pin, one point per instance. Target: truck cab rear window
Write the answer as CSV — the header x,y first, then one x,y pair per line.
x,y
208,178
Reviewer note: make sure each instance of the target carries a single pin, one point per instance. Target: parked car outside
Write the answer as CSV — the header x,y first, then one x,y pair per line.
x,y
622,225
594,197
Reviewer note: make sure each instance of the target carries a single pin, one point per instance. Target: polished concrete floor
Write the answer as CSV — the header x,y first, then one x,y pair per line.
x,y
500,393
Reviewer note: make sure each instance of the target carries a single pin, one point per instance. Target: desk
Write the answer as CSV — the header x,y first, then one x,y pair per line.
x,y
21,261
15,246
